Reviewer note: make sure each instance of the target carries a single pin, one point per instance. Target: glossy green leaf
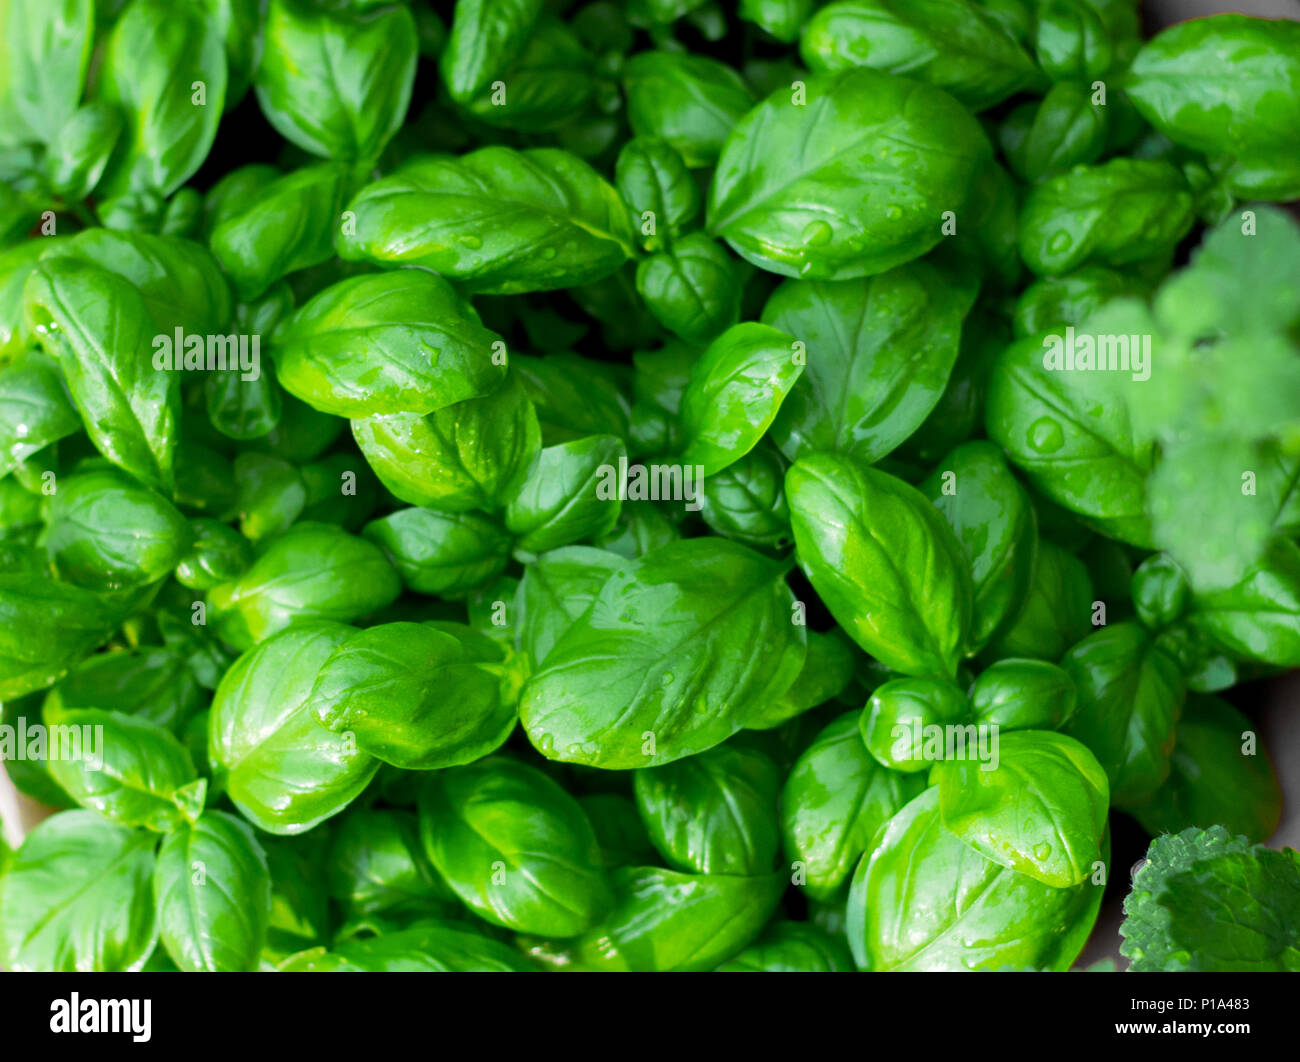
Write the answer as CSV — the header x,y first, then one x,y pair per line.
x,y
735,392
1130,696
497,220
397,342
412,696
212,889
879,352
715,813
835,800
814,188
926,900
441,553
76,898
655,669
284,771
336,84
885,562
515,847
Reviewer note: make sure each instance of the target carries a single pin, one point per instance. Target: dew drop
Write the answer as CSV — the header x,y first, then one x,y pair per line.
x,y
1046,436
817,234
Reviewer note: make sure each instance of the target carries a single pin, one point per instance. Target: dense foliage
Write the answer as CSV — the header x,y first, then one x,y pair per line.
x,y
589,485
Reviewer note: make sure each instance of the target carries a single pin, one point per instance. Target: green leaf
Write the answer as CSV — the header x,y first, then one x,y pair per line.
x,y
335,84
153,683
689,101
902,715
569,495
994,522
486,37
926,900
663,921
44,53
746,500
1219,775
1058,612
1071,432
285,225
284,771
1114,213
1206,901
1023,695
653,180
98,328
1226,83
1130,696
129,770
835,800
76,898
885,562
735,392
1256,618
106,531
497,220
675,651
574,396
515,847
397,342
879,353
558,587
692,290
81,149
181,283
212,889
310,572
550,84
34,411
413,696
952,44
1039,809
715,813
441,553
847,180
169,129
470,455
376,863
45,628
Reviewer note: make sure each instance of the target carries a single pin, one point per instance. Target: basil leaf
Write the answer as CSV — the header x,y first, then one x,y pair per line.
x,y
835,800
647,675
1130,696
788,191
429,342
715,813
885,562
284,771
497,220
879,353
734,394
412,696
1040,809
515,847
212,889
76,897
335,84
926,900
